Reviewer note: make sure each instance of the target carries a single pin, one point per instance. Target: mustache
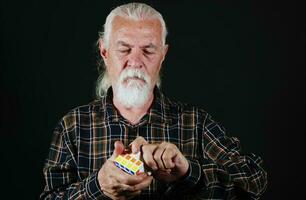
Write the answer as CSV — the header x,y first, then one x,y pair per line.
x,y
134,73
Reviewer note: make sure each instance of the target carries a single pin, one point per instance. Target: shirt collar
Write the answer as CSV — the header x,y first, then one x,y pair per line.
x,y
159,111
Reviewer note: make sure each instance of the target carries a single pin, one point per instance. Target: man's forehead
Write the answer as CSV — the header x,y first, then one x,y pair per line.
x,y
127,31
123,23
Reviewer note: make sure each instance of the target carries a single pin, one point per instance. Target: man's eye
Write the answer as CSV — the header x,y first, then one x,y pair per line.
x,y
124,51
147,52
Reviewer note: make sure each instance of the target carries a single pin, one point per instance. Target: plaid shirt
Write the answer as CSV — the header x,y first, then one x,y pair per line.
x,y
84,140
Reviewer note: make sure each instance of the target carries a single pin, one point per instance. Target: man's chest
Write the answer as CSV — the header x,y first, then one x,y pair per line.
x,y
94,144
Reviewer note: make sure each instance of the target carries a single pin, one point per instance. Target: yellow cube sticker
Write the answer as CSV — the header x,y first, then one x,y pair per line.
x,y
129,163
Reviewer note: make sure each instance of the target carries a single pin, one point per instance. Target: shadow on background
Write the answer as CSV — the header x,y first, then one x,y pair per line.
x,y
241,61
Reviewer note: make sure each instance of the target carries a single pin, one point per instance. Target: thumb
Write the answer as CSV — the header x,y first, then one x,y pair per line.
x,y
119,148
137,143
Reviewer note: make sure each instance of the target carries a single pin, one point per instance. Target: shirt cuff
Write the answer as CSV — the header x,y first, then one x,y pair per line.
x,y
93,189
193,175
188,181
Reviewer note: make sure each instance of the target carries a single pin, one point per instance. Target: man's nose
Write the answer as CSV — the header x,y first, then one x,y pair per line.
x,y
135,58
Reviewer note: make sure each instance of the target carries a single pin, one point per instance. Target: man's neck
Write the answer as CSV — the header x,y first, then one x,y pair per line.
x,y
133,115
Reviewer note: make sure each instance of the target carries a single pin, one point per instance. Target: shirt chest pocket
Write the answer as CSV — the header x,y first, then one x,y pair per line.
x,y
185,138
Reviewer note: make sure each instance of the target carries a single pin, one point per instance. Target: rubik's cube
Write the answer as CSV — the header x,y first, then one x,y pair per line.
x,y
130,163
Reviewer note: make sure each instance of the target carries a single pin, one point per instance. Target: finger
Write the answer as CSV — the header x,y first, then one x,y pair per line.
x,y
137,143
109,194
119,148
127,191
168,155
119,176
123,188
128,179
133,194
147,155
144,184
114,196
158,157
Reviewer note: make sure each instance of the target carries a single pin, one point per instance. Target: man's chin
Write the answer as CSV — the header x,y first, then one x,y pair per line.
x,y
133,95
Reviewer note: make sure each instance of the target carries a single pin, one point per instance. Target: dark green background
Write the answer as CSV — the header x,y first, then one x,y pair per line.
x,y
242,61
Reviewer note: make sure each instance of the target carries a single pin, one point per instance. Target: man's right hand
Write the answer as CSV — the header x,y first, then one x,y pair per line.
x,y
116,183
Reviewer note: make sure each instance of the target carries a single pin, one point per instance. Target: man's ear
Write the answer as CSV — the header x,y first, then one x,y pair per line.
x,y
103,50
165,50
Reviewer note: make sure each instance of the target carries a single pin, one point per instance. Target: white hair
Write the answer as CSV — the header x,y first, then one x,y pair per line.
x,y
133,94
135,11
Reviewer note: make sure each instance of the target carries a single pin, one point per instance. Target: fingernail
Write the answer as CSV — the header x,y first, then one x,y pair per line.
x,y
142,174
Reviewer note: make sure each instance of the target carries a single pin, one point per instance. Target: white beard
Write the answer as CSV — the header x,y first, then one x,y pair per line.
x,y
133,93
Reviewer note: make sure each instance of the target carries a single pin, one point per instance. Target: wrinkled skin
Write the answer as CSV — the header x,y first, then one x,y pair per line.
x,y
165,159
116,183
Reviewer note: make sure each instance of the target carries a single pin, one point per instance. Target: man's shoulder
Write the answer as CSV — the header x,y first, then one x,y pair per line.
x,y
94,106
180,108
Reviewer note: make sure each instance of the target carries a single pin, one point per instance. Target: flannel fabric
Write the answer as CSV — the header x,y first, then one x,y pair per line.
x,y
84,139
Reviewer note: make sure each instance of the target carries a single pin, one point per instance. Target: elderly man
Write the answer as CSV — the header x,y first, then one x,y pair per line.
x,y
189,154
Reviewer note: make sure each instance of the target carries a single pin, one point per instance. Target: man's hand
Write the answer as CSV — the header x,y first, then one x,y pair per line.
x,y
116,183
137,144
165,159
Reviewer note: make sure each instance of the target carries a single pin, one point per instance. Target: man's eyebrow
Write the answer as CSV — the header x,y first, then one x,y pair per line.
x,y
149,46
122,43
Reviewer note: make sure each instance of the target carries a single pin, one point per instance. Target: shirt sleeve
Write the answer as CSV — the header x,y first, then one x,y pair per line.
x,y
60,172
222,171
224,163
